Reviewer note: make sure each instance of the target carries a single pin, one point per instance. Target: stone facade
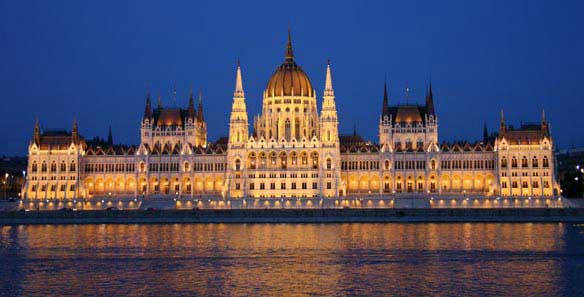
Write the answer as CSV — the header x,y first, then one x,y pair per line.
x,y
293,152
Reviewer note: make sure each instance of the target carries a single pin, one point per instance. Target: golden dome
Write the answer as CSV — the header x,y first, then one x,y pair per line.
x,y
289,78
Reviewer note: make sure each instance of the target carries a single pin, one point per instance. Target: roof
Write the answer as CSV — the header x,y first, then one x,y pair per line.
x,y
525,134
406,113
170,117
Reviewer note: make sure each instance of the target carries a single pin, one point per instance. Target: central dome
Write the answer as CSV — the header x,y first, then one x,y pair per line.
x,y
289,78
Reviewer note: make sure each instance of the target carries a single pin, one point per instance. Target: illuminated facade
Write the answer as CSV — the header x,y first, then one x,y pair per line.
x,y
294,151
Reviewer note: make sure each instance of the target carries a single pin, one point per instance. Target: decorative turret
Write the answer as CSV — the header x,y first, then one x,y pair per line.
x,y
430,100
159,102
75,131
485,132
191,109
238,122
544,123
200,116
110,138
289,52
328,116
385,105
37,132
148,109
502,126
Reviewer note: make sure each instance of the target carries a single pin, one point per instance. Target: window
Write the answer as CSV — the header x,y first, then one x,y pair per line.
x,y
524,184
514,162
535,184
546,163
251,186
504,185
238,164
329,185
304,186
514,185
314,186
504,162
63,166
272,186
524,162
283,186
53,167
329,164
34,167
534,163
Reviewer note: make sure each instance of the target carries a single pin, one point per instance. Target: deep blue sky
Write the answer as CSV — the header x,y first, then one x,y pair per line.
x,y
94,59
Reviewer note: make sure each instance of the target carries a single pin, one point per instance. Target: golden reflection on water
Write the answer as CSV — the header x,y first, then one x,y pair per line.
x,y
275,259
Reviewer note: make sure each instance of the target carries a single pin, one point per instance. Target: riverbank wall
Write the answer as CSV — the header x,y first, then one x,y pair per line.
x,y
573,215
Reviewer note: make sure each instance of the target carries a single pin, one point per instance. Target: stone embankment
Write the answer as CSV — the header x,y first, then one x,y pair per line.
x,y
291,216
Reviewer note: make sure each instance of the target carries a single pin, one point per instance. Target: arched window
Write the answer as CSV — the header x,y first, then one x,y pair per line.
x,y
534,163
329,164
142,167
387,164
187,167
504,162
294,157
546,163
72,166
63,166
34,167
514,162
297,128
283,162
287,129
524,162
433,164
237,164
315,160
252,161
53,167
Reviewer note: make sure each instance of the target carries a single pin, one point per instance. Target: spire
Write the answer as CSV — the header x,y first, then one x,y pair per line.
x,y
355,129
200,116
430,100
485,132
75,130
37,131
191,108
148,108
289,52
328,86
159,102
238,93
385,106
110,138
502,126
544,123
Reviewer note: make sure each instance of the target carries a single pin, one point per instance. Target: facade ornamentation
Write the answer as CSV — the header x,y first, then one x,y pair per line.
x,y
293,152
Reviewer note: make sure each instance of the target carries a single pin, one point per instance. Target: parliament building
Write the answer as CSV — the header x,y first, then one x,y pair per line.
x,y
292,150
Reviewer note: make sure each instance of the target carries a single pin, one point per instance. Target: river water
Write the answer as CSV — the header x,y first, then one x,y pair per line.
x,y
470,259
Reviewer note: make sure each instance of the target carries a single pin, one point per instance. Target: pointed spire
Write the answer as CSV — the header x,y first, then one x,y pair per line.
x,y
289,51
148,108
75,130
159,102
191,108
544,123
430,100
502,126
200,116
485,132
238,93
37,131
355,129
385,106
328,86
110,138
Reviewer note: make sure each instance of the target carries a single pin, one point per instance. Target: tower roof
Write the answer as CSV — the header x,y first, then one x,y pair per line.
x,y
289,78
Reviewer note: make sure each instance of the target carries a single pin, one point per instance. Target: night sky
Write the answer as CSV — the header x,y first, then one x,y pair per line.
x,y
94,60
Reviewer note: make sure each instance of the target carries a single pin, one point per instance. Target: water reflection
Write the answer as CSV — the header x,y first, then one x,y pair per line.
x,y
271,259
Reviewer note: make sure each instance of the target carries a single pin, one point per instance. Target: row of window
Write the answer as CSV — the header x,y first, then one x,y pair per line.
x,y
283,186
525,184
525,163
53,167
283,175
53,188
360,165
515,174
467,164
117,167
